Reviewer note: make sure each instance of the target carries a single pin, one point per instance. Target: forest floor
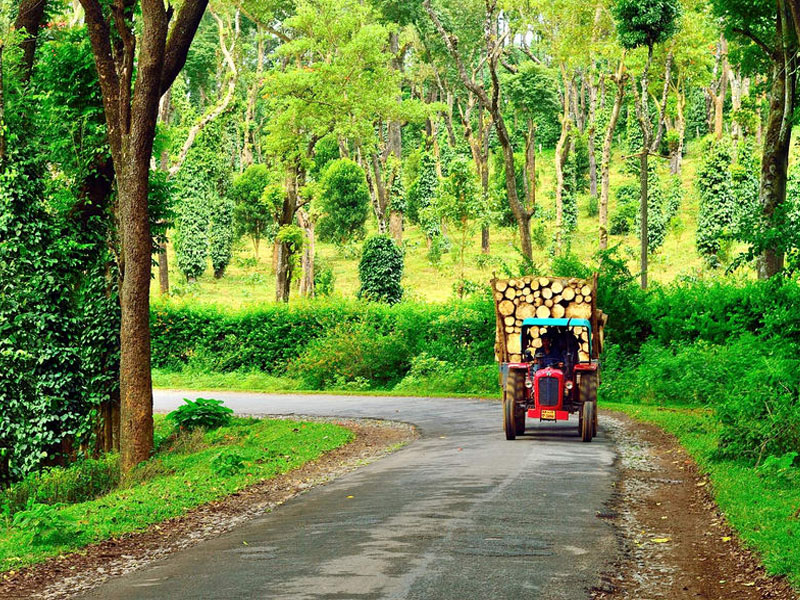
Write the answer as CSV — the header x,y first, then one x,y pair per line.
x,y
250,280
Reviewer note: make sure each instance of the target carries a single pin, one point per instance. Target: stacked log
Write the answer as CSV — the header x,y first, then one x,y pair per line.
x,y
543,297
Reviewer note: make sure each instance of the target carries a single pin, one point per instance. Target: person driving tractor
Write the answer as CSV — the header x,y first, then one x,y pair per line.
x,y
548,355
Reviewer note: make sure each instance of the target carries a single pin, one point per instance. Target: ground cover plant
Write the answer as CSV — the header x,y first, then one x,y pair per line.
x,y
63,509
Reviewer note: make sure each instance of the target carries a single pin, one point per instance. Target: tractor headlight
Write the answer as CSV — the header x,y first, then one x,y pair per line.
x,y
568,385
528,382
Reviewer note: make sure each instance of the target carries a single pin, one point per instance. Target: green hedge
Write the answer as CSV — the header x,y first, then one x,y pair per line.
x,y
269,337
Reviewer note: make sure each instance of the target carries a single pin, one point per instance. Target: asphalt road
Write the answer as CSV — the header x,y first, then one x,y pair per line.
x,y
459,514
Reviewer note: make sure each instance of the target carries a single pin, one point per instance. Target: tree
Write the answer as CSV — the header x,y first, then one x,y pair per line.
x,y
344,202
256,200
717,199
491,101
769,31
380,270
645,23
462,204
158,52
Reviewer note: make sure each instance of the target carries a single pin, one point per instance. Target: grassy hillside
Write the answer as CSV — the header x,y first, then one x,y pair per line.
x,y
248,281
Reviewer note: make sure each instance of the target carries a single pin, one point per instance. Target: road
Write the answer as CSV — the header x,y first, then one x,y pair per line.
x,y
458,514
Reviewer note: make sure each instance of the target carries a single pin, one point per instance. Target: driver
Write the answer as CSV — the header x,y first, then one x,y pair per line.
x,y
548,355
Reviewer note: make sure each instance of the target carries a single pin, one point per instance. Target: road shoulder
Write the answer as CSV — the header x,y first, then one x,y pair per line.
x,y
76,573
673,540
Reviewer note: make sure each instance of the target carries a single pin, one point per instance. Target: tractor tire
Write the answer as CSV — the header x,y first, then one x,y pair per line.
x,y
587,424
519,420
515,388
588,393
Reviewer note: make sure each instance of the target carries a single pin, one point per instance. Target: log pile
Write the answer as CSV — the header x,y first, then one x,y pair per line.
x,y
543,297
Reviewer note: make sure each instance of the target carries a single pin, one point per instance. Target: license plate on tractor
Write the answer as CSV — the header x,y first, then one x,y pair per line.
x,y
549,414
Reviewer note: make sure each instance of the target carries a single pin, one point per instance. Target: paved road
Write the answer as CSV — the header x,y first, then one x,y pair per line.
x,y
459,514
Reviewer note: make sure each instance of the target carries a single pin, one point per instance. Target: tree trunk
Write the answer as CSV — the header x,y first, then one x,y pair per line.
x,y
643,215
590,133
605,162
163,270
136,391
530,165
307,282
283,275
396,226
559,158
775,158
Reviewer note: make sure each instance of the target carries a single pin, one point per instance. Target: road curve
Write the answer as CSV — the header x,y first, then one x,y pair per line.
x,y
459,514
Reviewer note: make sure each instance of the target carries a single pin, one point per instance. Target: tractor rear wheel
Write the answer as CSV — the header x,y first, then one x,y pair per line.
x,y
587,387
587,423
515,388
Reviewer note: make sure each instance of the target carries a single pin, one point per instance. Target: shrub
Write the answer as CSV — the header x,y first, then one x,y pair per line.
x,y
380,270
351,351
203,412
324,278
227,463
221,235
43,522
83,480
344,201
627,196
256,198
717,200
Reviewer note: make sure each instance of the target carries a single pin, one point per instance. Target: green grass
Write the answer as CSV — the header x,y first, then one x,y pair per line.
x,y
478,382
760,506
181,476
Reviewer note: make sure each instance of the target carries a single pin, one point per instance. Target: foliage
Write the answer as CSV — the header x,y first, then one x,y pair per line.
x,y
228,463
717,200
423,195
645,22
343,201
324,278
351,351
81,481
257,199
221,235
42,523
191,237
622,220
380,270
203,413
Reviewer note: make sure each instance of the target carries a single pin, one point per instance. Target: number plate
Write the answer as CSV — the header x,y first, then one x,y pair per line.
x,y
549,414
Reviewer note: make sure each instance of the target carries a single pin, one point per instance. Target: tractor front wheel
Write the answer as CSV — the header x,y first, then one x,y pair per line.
x,y
515,388
588,421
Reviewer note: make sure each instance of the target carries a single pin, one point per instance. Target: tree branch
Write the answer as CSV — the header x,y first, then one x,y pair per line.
x,y
220,108
758,41
180,37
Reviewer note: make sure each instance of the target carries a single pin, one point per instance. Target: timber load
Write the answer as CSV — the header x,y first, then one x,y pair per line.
x,y
545,298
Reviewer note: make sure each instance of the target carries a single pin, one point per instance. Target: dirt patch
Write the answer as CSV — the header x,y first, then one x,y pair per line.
x,y
674,541
66,576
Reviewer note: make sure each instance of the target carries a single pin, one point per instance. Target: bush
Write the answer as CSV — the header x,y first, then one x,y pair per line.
x,y
227,463
221,235
43,523
627,196
191,235
203,413
344,201
83,480
350,352
380,270
717,200
324,278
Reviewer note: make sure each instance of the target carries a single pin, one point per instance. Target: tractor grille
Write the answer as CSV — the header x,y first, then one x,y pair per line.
x,y
548,391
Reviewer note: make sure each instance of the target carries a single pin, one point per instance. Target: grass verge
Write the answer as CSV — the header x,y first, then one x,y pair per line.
x,y
763,505
188,470
447,387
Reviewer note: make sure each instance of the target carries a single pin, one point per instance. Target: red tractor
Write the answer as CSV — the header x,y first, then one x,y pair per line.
x,y
554,379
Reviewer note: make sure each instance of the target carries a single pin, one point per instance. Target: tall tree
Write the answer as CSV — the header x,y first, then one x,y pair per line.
x,y
645,23
771,31
142,41
490,100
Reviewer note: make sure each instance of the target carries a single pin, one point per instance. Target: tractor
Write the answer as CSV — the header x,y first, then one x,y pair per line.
x,y
554,379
